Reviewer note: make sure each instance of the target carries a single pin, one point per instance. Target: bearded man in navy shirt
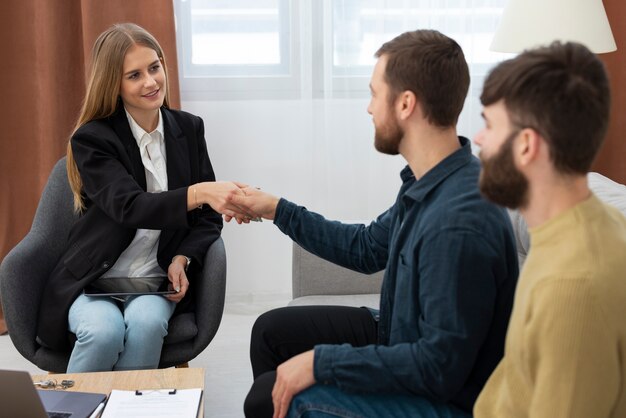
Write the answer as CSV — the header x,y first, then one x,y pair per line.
x,y
449,258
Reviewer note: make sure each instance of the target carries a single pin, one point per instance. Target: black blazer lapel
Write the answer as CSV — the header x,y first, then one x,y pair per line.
x,y
122,129
177,151
178,170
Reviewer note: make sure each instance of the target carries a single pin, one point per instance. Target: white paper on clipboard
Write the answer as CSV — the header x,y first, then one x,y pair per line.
x,y
181,403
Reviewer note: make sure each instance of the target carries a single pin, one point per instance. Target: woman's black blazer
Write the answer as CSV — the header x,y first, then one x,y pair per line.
x,y
117,204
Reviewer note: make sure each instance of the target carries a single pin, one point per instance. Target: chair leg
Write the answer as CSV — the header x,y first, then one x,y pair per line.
x,y
182,366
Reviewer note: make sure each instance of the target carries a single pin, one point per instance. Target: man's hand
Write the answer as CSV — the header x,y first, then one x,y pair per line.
x,y
292,377
254,201
217,194
177,276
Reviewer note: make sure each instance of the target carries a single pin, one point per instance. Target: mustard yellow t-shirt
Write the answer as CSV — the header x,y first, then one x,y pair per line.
x,y
565,352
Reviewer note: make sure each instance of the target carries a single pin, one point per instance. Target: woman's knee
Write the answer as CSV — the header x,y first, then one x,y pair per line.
x,y
104,333
146,324
148,316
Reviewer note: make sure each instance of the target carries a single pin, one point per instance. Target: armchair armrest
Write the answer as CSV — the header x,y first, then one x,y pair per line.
x,y
207,315
210,299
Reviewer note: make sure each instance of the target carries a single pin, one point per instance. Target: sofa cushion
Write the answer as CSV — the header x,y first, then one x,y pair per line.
x,y
369,300
603,187
608,191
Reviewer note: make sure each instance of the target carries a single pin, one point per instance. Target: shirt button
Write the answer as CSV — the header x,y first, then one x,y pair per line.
x,y
105,265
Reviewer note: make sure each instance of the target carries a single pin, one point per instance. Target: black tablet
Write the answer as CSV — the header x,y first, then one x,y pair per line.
x,y
129,286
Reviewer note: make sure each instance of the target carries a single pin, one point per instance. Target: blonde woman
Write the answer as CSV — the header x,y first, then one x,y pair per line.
x,y
148,201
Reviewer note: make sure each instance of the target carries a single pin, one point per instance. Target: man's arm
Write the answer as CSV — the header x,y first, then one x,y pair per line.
x,y
354,246
456,302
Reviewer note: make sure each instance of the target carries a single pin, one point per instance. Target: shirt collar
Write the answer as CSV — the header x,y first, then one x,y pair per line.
x,y
418,189
138,131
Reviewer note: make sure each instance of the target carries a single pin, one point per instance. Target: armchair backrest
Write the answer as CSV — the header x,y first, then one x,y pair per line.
x,y
25,269
312,275
55,213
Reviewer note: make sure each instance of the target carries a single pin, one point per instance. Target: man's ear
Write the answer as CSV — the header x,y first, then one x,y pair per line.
x,y
529,146
406,104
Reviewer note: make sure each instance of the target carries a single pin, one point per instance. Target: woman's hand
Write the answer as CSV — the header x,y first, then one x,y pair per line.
x,y
255,201
219,195
177,276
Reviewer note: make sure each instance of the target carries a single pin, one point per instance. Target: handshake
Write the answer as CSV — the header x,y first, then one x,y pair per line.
x,y
233,200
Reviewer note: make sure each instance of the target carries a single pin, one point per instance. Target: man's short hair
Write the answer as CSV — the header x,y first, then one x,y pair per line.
x,y
561,91
433,67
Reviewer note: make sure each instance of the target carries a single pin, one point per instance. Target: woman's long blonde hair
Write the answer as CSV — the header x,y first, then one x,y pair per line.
x,y
103,88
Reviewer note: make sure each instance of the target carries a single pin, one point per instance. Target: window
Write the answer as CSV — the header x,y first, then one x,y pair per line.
x,y
360,27
235,46
287,48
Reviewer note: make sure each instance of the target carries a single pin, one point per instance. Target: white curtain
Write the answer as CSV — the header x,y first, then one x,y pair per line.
x,y
297,126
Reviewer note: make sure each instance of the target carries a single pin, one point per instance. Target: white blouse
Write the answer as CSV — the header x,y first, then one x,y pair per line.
x,y
140,258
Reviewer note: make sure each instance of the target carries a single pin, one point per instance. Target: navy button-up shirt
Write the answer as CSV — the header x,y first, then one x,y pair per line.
x,y
450,274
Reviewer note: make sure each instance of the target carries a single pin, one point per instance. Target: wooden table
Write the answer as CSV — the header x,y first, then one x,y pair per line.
x,y
104,382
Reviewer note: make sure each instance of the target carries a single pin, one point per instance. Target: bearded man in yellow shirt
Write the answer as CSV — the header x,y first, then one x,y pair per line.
x,y
546,113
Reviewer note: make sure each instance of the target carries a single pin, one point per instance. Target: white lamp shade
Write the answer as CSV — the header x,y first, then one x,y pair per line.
x,y
530,23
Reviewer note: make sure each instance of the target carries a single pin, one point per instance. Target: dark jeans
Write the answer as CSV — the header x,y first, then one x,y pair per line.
x,y
282,333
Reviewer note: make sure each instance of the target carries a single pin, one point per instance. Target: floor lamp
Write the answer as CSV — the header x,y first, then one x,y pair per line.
x,y
530,23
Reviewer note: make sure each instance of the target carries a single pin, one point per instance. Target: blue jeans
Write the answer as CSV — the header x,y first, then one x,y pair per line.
x,y
321,401
115,335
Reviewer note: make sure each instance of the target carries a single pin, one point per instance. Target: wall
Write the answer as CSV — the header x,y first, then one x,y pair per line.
x,y
316,153
611,160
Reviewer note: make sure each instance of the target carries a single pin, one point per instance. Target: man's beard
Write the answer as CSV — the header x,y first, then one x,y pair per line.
x,y
387,138
500,181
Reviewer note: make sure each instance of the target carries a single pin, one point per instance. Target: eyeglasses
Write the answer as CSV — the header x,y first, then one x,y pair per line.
x,y
52,384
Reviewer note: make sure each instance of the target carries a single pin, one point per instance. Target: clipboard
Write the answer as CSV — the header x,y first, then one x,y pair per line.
x,y
171,403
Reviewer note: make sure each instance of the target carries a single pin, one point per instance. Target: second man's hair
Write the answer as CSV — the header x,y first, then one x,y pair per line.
x,y
561,91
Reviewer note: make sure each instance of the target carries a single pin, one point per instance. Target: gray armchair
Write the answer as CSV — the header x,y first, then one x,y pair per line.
x,y
26,268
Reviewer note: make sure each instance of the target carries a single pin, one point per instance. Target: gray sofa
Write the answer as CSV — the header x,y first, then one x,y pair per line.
x,y
318,282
